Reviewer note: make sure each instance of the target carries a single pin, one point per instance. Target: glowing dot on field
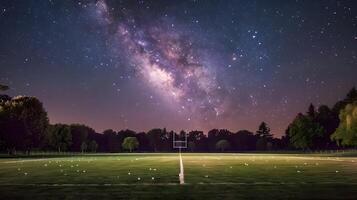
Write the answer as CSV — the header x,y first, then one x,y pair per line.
x,y
246,164
150,169
78,171
152,178
61,170
274,167
65,174
45,165
154,169
337,171
84,171
139,178
18,169
316,163
25,173
76,165
206,176
305,163
72,166
129,173
231,167
298,171
60,165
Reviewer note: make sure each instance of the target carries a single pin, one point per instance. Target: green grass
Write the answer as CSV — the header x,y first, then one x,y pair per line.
x,y
207,176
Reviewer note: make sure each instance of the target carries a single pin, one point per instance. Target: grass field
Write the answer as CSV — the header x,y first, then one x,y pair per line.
x,y
207,176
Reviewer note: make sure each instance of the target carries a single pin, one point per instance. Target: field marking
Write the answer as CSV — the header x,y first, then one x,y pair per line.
x,y
181,175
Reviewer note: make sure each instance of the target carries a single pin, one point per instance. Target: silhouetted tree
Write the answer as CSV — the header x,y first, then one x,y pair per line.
x,y
264,131
244,140
93,146
23,122
84,147
156,138
59,137
79,136
130,143
222,145
350,98
303,131
346,133
311,111
326,118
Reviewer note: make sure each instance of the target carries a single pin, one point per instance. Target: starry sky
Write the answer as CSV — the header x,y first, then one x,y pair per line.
x,y
195,64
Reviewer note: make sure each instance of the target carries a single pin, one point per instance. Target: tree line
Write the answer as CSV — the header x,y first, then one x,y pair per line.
x,y
24,126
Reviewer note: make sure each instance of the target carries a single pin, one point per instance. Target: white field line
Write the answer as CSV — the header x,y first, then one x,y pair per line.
x,y
181,175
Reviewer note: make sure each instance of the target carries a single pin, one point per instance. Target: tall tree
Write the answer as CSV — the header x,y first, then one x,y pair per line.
x,y
264,131
329,121
156,137
346,133
350,98
60,137
25,117
79,136
130,143
303,131
311,111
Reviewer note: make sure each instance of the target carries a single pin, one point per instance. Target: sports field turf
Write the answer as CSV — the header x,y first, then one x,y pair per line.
x,y
207,176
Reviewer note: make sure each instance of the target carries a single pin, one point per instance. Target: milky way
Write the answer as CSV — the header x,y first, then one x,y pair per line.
x,y
179,64
170,61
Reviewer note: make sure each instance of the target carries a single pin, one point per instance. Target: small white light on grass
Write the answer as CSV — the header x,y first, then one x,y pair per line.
x,y
316,163
60,165
152,178
274,167
337,171
45,165
72,166
84,171
150,169
154,169
298,171
129,173
139,178
246,164
231,167
25,173
78,171
206,176
18,169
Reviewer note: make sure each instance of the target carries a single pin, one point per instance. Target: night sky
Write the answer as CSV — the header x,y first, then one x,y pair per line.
x,y
179,64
